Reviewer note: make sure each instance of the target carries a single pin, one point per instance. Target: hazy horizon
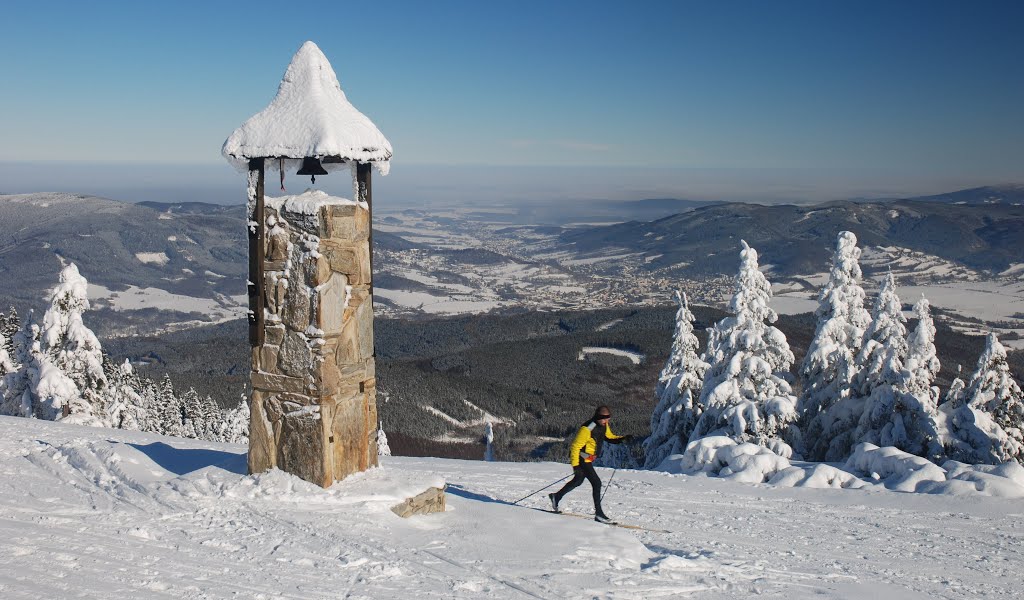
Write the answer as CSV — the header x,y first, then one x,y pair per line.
x,y
475,185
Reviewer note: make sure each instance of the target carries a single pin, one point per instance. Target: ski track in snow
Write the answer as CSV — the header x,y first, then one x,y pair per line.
x,y
98,513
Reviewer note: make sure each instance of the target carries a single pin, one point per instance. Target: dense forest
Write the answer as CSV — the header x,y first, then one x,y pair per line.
x,y
523,368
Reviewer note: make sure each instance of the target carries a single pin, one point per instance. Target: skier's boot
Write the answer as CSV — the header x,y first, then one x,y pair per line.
x,y
554,503
603,518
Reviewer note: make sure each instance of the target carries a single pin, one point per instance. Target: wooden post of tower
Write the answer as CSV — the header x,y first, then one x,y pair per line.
x,y
364,185
256,226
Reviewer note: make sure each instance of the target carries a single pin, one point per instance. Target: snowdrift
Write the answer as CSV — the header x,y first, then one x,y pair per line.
x,y
869,467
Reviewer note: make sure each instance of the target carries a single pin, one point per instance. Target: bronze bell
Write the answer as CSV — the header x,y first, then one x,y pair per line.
x,y
312,167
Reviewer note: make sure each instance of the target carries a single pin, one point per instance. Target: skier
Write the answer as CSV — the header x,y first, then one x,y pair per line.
x,y
582,452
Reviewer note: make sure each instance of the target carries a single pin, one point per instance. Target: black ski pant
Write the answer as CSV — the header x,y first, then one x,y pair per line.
x,y
585,470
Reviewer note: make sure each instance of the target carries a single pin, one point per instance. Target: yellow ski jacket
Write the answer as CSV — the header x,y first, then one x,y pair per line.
x,y
587,444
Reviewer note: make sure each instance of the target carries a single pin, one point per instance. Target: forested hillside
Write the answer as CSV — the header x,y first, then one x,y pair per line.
x,y
523,369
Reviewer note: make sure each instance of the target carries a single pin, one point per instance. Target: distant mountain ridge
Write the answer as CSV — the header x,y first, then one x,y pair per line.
x,y
196,253
800,239
989,194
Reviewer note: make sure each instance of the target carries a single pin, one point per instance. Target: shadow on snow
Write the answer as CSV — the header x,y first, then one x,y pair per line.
x,y
185,460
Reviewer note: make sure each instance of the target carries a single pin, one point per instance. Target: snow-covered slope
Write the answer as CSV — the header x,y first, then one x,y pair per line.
x,y
98,513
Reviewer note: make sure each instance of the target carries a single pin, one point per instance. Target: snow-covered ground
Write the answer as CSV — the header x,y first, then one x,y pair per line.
x,y
218,309
634,357
442,305
97,513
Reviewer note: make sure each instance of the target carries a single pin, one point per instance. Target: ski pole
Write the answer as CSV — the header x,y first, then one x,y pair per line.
x,y
610,479
541,489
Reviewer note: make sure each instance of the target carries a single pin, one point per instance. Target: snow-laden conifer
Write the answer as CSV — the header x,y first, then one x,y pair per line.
x,y
489,440
617,456
10,324
993,392
745,394
885,346
193,423
17,398
957,388
6,364
382,441
125,401
234,424
677,392
881,378
74,349
168,409
830,365
902,409
879,362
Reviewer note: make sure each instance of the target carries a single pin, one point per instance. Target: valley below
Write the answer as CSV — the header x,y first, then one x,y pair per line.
x,y
484,315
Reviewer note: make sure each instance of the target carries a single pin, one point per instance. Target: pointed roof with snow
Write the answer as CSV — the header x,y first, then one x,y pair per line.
x,y
309,117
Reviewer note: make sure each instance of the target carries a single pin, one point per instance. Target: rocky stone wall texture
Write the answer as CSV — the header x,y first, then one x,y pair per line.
x,y
430,501
314,409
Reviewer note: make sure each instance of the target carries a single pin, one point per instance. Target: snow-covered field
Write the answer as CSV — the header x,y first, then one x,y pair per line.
x,y
97,513
218,309
634,357
442,305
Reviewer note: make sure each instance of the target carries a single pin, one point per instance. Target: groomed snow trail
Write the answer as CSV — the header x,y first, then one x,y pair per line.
x,y
98,513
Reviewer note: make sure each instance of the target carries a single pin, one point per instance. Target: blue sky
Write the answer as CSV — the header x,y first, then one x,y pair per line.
x,y
835,99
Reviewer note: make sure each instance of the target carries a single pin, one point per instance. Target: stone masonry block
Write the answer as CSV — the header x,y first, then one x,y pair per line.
x,y
296,358
301,449
347,223
352,259
268,358
349,429
296,309
268,382
330,313
364,323
262,445
274,334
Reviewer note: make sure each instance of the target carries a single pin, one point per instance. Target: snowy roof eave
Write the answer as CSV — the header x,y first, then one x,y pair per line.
x,y
309,117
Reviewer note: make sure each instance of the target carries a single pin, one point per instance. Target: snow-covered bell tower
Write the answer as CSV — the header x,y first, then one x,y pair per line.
x,y
313,404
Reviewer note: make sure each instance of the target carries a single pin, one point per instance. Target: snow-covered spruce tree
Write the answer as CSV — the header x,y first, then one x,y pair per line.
x,y
382,442
37,388
168,409
904,413
677,392
200,416
976,431
830,366
992,389
234,424
17,398
9,327
879,362
126,404
193,423
74,349
489,440
885,346
882,377
745,394
6,366
617,456
957,388
211,416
